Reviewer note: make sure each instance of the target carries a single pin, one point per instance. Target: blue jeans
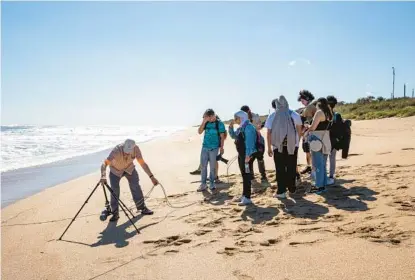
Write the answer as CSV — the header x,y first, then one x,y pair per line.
x,y
136,192
320,162
208,155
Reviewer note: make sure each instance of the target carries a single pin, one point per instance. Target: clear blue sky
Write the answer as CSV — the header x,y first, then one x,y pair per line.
x,y
136,63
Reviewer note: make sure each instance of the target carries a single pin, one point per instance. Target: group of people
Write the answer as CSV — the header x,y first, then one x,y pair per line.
x,y
321,128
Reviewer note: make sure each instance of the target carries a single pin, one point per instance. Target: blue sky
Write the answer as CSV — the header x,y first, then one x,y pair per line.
x,y
153,63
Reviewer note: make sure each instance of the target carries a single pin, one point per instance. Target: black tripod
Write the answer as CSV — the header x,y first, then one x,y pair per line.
x,y
107,210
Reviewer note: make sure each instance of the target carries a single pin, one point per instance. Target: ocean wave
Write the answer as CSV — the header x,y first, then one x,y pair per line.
x,y
27,146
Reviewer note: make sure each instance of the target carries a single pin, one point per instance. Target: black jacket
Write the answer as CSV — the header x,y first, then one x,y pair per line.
x,y
340,135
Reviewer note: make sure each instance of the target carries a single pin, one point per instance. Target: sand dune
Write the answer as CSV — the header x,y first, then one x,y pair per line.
x,y
362,228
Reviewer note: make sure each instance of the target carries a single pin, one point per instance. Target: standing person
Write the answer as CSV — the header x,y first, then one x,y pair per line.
x,y
306,98
198,171
213,141
340,134
245,137
320,144
332,101
256,121
284,126
121,163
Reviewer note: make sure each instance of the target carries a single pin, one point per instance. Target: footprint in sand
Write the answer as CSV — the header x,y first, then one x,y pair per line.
x,y
380,233
384,153
307,230
201,232
269,242
171,252
230,251
163,242
182,241
333,218
238,274
213,224
245,243
295,243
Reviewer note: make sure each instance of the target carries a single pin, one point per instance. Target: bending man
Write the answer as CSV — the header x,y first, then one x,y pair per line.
x,y
121,162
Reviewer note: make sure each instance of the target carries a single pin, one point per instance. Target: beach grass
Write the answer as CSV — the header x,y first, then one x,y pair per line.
x,y
365,109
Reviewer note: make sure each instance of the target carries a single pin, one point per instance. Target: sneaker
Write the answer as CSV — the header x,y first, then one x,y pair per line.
x,y
202,188
146,211
196,172
212,189
306,170
280,195
321,190
114,217
218,181
330,181
245,201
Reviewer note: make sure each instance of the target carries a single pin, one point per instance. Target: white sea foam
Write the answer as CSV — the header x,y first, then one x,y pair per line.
x,y
26,146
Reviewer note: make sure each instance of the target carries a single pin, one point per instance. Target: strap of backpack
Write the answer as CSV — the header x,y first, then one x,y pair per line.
x,y
217,130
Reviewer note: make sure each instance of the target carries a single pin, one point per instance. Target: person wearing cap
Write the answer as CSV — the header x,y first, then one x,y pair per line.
x,y
213,140
121,163
306,98
198,171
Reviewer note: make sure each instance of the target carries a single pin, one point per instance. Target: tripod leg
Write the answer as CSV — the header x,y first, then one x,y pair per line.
x,y
86,201
107,204
119,200
123,207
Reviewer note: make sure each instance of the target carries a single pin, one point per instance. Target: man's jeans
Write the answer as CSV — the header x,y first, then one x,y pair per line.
x,y
319,161
208,155
135,189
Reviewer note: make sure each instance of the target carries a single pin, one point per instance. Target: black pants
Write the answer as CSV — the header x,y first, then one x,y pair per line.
x,y
261,165
286,168
246,177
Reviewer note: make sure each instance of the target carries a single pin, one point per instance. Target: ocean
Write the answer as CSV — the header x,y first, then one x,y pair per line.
x,y
37,157
27,146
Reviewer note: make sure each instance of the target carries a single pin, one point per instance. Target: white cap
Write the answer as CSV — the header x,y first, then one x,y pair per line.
x,y
128,147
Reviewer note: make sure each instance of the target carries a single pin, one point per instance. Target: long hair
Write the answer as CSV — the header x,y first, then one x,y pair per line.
x,y
323,105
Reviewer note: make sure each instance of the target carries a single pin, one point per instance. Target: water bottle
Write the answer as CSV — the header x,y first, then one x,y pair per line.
x,y
247,168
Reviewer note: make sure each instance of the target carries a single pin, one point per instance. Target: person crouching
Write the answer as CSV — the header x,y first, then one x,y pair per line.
x,y
121,163
245,140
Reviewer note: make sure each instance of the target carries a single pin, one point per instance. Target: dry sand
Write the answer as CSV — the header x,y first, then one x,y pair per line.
x,y
364,228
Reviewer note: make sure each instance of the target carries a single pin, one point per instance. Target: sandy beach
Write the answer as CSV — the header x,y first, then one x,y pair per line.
x,y
362,228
